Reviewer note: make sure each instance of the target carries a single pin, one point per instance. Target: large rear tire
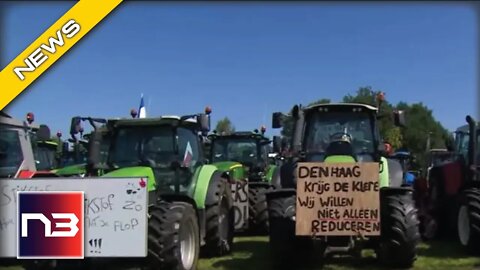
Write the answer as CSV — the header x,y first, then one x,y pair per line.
x,y
288,251
173,236
258,209
399,231
220,218
468,220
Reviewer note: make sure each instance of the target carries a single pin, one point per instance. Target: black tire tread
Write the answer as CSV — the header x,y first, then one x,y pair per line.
x,y
399,231
258,209
287,250
218,198
163,234
471,197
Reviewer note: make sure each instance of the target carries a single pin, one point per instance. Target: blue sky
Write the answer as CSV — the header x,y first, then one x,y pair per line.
x,y
248,60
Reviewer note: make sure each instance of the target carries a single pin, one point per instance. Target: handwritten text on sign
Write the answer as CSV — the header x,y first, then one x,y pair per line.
x,y
240,204
338,199
115,213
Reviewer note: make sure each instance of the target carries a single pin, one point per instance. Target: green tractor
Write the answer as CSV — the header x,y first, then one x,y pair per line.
x,y
342,134
244,155
190,202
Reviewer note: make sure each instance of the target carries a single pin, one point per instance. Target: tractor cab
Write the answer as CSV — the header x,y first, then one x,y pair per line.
x,y
250,149
408,163
166,149
466,143
19,157
15,148
337,131
45,152
343,131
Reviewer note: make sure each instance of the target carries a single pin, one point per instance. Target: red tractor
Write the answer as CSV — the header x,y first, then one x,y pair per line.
x,y
17,147
452,194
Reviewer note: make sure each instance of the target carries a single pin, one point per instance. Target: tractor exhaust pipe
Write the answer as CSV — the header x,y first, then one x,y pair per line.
x,y
472,146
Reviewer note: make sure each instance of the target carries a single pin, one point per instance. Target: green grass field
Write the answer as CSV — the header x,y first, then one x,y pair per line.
x,y
253,253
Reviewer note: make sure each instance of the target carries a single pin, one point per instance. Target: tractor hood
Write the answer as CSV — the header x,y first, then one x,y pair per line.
x,y
71,170
236,169
227,165
135,172
384,176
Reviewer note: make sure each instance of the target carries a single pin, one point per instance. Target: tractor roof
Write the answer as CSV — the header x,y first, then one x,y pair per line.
x,y
465,128
239,135
162,120
3,114
14,123
401,153
343,105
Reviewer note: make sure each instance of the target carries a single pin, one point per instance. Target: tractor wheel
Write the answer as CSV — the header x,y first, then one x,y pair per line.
x,y
399,231
469,220
258,209
288,251
220,218
173,236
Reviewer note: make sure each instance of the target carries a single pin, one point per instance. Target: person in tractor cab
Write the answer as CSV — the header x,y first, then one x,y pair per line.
x,y
388,148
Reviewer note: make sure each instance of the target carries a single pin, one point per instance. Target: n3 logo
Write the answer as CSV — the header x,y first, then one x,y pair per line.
x,y
72,225
50,225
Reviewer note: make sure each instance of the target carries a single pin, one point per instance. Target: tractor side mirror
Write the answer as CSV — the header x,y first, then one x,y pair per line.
x,y
277,118
204,122
75,125
399,118
277,144
43,133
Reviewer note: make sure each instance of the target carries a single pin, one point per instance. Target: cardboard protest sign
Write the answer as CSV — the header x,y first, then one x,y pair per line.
x,y
338,199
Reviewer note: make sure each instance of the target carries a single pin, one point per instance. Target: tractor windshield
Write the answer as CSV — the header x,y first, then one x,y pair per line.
x,y
153,146
134,146
11,155
246,151
324,128
438,158
45,156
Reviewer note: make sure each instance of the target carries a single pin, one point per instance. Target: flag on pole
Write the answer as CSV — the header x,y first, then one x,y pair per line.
x,y
142,112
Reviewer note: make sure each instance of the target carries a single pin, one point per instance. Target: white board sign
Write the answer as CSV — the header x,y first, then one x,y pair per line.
x,y
240,204
115,213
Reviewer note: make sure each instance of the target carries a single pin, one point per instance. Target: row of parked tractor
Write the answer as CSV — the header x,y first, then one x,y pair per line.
x,y
206,187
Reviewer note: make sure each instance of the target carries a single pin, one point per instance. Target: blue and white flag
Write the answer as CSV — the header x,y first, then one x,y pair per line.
x,y
142,112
